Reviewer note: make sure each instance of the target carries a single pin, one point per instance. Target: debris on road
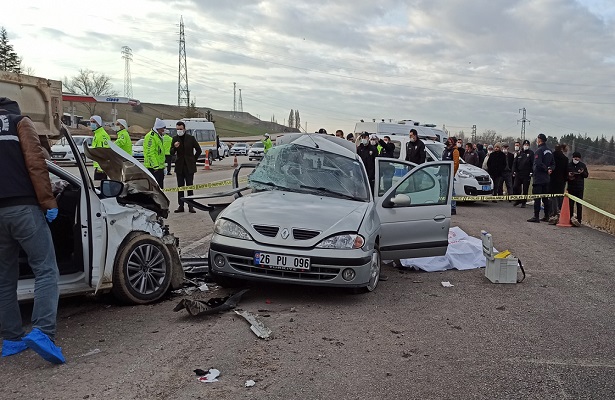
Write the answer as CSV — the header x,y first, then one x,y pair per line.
x,y
212,306
250,383
447,284
204,288
91,353
211,375
256,326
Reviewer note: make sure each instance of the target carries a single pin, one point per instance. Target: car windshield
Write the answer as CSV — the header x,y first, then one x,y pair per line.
x,y
239,145
258,144
139,142
297,168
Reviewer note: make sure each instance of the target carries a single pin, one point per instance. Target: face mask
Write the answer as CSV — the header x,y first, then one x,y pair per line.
x,y
116,128
575,161
489,151
93,126
373,142
363,141
526,147
412,139
516,148
180,133
459,145
504,151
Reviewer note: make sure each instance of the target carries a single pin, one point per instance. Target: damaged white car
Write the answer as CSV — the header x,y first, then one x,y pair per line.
x,y
110,238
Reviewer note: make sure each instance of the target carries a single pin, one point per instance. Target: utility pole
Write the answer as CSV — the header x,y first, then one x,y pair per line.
x,y
183,94
234,98
474,133
127,56
523,121
240,102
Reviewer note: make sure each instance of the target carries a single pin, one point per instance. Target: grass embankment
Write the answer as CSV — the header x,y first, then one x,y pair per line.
x,y
600,193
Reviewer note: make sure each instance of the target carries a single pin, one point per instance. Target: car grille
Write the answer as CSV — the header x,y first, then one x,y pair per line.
x,y
483,180
265,230
303,234
316,272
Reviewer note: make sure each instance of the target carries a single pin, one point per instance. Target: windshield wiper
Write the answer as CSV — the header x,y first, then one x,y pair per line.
x,y
324,189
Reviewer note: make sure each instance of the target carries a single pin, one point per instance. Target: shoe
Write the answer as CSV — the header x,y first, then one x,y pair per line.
x,y
453,212
179,210
544,219
553,220
533,219
383,277
522,205
12,347
168,173
515,204
192,210
575,222
44,347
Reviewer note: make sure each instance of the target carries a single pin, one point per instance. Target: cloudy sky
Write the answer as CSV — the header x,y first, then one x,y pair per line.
x,y
449,62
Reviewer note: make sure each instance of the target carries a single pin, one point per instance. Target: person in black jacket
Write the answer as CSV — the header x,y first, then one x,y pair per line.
x,y
415,149
460,148
542,169
386,149
496,164
480,150
559,177
507,174
577,172
522,172
188,151
368,152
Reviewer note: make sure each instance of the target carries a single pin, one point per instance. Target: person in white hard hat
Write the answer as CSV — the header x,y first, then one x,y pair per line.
x,y
123,138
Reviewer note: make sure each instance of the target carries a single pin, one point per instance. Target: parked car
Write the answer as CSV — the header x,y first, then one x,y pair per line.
x,y
137,149
312,218
257,151
240,149
223,150
62,152
113,237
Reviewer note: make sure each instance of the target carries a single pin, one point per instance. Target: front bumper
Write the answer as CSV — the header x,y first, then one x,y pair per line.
x,y
325,270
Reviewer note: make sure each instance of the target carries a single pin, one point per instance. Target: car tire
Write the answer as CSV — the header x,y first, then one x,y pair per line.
x,y
374,273
149,277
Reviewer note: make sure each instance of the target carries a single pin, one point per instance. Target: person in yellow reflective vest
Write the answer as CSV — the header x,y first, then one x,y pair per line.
x,y
153,152
267,142
167,140
123,138
101,139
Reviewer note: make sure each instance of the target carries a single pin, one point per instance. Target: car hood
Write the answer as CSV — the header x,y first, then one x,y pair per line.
x,y
140,186
291,210
474,170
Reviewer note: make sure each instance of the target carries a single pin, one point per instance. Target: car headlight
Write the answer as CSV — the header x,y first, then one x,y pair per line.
x,y
228,228
464,174
344,241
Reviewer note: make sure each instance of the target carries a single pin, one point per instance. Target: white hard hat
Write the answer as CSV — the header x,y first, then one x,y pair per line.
x,y
266,135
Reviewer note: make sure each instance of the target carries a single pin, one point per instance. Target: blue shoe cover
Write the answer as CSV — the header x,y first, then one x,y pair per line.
x,y
12,347
44,347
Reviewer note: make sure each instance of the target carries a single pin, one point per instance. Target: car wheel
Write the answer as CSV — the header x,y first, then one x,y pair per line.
x,y
374,273
142,272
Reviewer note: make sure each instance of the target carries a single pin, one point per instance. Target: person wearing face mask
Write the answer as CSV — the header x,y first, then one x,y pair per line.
x,y
188,151
485,165
496,164
522,172
558,179
577,172
153,152
451,153
517,148
123,137
460,148
368,152
101,139
415,149
507,175
542,168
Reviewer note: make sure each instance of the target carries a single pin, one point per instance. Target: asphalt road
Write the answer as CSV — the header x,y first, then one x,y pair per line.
x,y
548,337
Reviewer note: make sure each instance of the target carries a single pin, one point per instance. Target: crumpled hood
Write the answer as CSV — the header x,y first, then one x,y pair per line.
x,y
474,170
328,215
140,186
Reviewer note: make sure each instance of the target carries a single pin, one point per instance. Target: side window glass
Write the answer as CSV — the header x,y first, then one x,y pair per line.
x,y
391,172
429,158
397,148
427,186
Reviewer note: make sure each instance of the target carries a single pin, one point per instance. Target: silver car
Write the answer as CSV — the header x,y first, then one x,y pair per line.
x,y
312,219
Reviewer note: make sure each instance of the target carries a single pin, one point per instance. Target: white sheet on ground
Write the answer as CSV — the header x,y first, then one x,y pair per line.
x,y
464,252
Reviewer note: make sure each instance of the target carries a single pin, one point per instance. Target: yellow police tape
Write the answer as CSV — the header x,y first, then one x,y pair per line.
x,y
511,197
591,206
227,182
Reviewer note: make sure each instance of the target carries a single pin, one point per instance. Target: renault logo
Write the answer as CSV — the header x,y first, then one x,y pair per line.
x,y
285,233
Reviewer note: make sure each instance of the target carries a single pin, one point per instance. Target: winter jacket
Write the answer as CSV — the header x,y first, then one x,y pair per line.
x,y
386,149
543,163
461,151
166,144
510,159
576,175
123,141
267,144
368,153
481,154
153,151
415,152
101,139
560,173
471,158
523,163
496,164
25,178
451,154
188,152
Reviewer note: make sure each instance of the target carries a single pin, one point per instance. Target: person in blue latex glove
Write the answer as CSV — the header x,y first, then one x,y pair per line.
x,y
26,202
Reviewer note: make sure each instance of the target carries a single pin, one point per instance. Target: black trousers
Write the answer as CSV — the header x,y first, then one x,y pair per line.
x,y
521,186
558,187
498,181
541,189
184,179
158,175
578,192
507,179
169,160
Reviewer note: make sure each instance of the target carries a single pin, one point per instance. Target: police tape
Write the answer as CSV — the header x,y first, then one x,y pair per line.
x,y
590,206
512,197
209,185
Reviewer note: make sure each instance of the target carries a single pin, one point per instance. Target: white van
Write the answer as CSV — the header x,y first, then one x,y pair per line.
x,y
469,180
425,131
203,131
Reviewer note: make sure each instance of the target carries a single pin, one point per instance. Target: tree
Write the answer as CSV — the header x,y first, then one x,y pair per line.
x,y
9,61
611,150
191,110
90,83
297,120
291,119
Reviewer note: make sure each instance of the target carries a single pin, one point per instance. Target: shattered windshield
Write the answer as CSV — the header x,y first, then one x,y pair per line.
x,y
297,168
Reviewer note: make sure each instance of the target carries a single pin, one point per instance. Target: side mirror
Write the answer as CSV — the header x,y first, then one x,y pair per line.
x,y
401,200
111,188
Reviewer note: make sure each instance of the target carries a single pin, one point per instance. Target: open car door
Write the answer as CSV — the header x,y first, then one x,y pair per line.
x,y
414,206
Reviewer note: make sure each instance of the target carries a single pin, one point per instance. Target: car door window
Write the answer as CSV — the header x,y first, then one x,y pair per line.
x,y
427,186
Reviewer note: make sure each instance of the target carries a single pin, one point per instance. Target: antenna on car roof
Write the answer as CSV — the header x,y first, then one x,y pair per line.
x,y
315,144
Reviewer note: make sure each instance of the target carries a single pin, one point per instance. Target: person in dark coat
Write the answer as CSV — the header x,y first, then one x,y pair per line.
x,y
577,173
480,151
507,175
460,148
470,156
542,168
522,172
496,164
368,152
188,151
415,149
386,149
559,177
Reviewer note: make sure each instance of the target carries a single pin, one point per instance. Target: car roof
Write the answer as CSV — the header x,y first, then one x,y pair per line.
x,y
328,143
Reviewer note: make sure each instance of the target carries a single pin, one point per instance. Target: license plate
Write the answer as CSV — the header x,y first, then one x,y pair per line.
x,y
280,261
56,156
486,188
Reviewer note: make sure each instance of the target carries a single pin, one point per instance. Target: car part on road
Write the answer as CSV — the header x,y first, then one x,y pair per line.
x,y
256,326
211,375
212,306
